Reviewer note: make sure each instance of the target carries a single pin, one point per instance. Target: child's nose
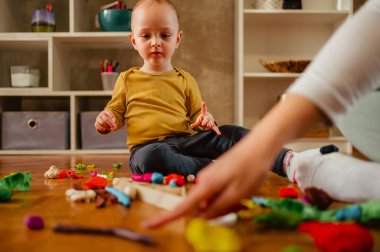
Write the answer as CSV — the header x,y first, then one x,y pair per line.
x,y
156,42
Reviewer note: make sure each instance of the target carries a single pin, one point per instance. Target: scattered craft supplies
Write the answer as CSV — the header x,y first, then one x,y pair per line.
x,y
161,196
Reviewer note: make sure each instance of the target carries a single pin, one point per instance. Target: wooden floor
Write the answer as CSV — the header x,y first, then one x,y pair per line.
x,y
47,199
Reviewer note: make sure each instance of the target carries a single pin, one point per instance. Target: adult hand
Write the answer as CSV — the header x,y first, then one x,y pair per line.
x,y
221,186
206,120
105,122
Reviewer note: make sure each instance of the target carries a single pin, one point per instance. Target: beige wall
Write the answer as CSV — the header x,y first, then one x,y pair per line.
x,y
207,51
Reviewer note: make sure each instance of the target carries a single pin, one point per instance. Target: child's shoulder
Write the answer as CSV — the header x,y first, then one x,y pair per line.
x,y
129,71
184,73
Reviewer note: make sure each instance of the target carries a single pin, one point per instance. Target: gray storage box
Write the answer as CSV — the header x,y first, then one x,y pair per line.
x,y
35,130
91,139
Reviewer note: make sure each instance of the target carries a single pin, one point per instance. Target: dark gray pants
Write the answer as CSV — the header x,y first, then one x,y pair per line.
x,y
184,154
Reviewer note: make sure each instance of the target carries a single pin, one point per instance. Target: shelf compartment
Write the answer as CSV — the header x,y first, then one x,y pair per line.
x,y
260,95
9,22
32,53
311,5
35,103
84,14
76,66
274,42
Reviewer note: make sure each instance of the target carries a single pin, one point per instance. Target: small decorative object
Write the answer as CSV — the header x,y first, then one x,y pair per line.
x,y
292,4
43,20
268,4
23,76
288,66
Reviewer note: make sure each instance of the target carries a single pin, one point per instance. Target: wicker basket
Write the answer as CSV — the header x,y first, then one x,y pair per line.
x,y
268,4
289,66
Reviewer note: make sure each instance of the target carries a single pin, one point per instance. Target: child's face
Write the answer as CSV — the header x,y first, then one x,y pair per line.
x,y
155,35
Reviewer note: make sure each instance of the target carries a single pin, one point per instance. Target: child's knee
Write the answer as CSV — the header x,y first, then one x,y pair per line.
x,y
233,131
148,159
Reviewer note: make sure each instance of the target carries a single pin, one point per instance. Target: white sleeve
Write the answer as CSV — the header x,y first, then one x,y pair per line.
x,y
347,67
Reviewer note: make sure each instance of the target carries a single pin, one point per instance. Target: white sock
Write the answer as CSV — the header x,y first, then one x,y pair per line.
x,y
343,177
292,159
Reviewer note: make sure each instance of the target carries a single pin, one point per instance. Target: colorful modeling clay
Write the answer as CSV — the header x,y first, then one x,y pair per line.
x,y
146,177
157,178
34,222
52,172
338,236
17,180
349,213
96,182
190,178
121,197
80,195
206,237
288,192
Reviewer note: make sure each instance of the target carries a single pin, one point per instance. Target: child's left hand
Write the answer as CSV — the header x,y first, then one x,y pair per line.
x,y
206,120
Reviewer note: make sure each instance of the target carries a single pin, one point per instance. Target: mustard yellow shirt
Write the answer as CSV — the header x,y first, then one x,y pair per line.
x,y
155,105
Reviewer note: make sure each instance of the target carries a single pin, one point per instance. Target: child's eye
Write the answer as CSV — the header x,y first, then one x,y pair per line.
x,y
165,35
146,36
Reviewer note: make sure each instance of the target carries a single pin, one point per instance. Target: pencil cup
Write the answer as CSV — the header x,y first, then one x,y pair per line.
x,y
109,80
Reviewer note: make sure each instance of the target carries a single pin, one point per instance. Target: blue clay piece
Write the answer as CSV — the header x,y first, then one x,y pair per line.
x,y
34,222
349,213
172,183
157,178
121,197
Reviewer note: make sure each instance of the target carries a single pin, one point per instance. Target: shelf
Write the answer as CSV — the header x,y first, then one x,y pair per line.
x,y
269,75
288,17
311,143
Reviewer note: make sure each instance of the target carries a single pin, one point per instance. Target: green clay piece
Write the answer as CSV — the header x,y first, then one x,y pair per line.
x,y
291,249
370,211
116,166
280,219
17,180
80,166
90,166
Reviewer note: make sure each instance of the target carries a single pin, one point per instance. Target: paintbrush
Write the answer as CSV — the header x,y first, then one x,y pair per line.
x,y
121,232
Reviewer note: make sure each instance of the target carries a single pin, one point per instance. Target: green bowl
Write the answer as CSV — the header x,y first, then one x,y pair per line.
x,y
115,20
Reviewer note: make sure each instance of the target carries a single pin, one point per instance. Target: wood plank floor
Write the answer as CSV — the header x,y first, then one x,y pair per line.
x,y
47,199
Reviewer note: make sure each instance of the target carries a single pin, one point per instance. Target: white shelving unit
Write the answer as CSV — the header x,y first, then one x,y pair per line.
x,y
280,35
68,60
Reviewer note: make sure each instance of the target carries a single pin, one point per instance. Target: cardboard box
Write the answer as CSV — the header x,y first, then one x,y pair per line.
x,y
29,130
91,139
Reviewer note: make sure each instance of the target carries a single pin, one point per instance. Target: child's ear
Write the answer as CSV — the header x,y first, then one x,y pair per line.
x,y
179,38
133,41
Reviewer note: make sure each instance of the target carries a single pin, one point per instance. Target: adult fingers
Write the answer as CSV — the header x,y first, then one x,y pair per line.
x,y
191,203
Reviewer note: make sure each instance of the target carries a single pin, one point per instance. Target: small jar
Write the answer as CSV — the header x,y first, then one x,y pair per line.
x,y
43,21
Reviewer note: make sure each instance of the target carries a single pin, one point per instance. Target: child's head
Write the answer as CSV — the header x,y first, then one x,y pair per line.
x,y
155,33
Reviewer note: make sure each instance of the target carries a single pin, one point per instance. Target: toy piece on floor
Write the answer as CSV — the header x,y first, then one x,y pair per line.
x,y
17,180
72,174
55,173
348,237
288,192
173,179
96,182
120,232
34,222
121,197
116,166
80,195
206,237
161,196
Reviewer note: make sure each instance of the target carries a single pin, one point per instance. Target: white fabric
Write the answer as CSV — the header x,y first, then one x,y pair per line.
x,y
347,67
344,178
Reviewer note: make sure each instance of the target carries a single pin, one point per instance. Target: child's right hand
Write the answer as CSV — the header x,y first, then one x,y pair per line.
x,y
105,122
